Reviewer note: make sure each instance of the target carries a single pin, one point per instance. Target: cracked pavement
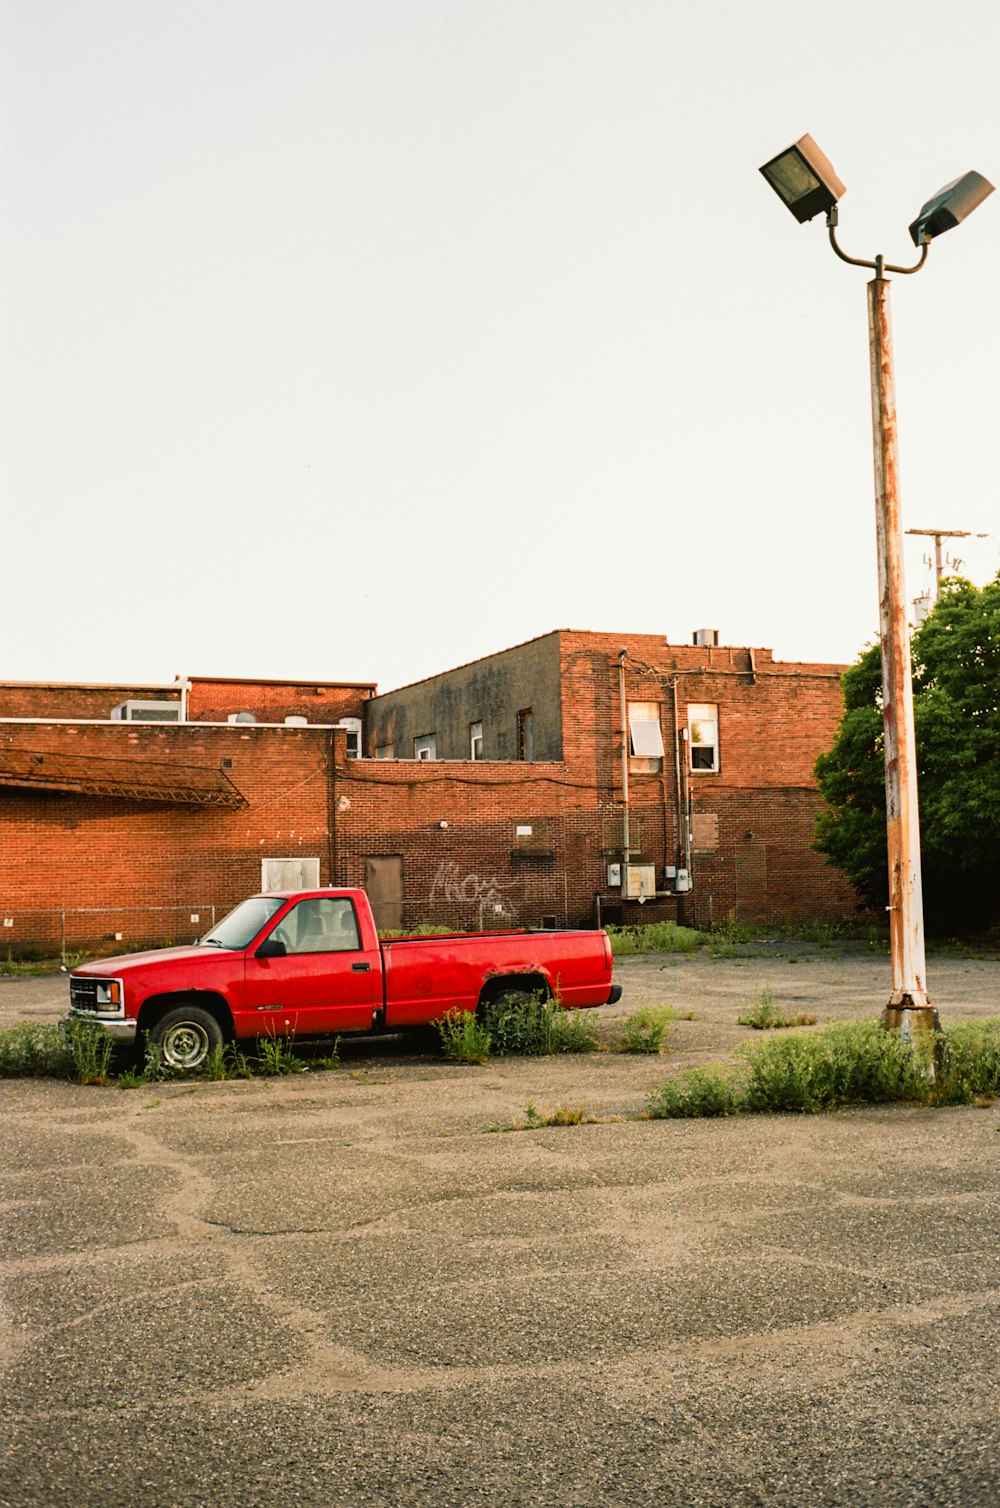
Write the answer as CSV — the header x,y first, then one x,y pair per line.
x,y
340,1289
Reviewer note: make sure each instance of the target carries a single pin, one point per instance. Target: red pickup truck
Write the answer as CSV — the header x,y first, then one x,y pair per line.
x,y
310,963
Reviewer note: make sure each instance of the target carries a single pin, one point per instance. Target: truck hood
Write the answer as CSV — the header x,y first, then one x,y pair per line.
x,y
124,963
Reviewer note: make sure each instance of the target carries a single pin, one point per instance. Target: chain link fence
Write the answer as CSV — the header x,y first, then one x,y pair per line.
x,y
100,930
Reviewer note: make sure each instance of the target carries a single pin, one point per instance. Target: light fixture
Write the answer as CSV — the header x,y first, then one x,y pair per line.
x,y
804,178
950,206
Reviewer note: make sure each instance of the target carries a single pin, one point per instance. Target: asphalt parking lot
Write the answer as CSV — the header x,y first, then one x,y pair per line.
x,y
351,1288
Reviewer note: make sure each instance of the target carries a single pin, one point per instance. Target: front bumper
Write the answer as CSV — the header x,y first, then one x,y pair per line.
x,y
119,1030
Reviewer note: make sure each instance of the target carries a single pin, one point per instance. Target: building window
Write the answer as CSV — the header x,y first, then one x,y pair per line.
x,y
703,734
645,737
475,740
525,738
425,747
353,726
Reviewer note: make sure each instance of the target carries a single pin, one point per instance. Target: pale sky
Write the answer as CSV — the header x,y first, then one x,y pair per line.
x,y
355,339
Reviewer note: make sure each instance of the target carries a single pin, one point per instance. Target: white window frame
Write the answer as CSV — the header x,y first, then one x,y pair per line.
x,y
353,728
475,741
425,747
704,716
644,732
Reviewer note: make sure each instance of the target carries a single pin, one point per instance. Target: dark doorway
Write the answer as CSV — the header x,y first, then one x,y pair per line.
x,y
384,888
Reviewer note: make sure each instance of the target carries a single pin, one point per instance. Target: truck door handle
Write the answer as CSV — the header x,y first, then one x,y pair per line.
x,y
360,968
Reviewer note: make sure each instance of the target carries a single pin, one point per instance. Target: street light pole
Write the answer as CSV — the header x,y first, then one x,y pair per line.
x,y
908,1007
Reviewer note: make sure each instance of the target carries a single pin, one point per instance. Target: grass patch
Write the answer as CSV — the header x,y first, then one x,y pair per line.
x,y
764,1015
276,1055
532,1026
562,1115
656,937
852,1063
515,1025
698,1092
68,1049
969,1070
645,1030
464,1039
31,964
81,1050
330,1061
33,1050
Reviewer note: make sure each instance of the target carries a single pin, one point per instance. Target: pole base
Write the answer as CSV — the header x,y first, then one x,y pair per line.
x,y
911,1018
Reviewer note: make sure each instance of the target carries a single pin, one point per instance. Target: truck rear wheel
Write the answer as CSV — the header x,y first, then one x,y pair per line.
x,y
186,1036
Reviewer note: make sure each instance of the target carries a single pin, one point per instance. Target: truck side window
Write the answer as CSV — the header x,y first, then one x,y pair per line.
x,y
320,925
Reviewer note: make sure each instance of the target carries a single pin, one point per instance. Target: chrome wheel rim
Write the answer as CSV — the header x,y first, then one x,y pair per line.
x,y
185,1045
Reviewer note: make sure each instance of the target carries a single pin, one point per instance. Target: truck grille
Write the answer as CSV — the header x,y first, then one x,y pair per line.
x,y
83,994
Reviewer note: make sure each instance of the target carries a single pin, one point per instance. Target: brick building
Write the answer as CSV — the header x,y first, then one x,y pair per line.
x,y
498,789
137,814
492,794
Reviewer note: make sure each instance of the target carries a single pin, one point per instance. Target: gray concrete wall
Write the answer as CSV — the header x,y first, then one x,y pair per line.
x,y
491,691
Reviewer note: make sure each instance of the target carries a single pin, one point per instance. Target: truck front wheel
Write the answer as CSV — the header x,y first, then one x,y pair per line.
x,y
186,1036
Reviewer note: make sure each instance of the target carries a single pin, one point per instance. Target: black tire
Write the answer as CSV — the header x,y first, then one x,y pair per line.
x,y
186,1036
508,1000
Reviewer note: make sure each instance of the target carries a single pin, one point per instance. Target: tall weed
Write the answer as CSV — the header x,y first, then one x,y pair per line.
x,y
276,1054
969,1067
464,1039
533,1026
712,1090
90,1048
645,1029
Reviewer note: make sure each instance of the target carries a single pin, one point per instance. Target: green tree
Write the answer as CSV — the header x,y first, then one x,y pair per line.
x,y
956,699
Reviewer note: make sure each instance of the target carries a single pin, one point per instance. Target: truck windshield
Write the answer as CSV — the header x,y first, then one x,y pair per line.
x,y
242,925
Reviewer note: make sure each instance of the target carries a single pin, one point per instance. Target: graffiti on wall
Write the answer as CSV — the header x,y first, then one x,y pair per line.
x,y
485,892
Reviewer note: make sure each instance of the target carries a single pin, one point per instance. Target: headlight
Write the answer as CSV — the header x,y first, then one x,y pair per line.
x,y
109,992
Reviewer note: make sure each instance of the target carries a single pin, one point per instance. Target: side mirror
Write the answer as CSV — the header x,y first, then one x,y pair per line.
x,y
271,947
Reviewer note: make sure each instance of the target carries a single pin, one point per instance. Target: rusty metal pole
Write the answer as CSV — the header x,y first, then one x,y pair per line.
x,y
908,1007
626,846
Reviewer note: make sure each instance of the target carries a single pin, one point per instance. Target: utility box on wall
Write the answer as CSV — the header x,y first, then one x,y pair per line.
x,y
640,882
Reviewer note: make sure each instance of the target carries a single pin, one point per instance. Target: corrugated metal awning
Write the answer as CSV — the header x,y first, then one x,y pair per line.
x,y
131,779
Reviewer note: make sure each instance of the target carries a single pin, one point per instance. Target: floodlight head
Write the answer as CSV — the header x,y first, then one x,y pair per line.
x,y
950,206
804,179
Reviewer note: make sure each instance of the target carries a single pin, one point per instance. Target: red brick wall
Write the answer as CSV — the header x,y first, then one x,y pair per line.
x,y
67,850
208,700
475,871
44,700
273,701
774,719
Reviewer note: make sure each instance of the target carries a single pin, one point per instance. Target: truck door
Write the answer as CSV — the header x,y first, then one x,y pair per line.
x,y
323,982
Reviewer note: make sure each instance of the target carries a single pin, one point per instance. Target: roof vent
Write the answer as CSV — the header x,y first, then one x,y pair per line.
x,y
706,638
241,717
